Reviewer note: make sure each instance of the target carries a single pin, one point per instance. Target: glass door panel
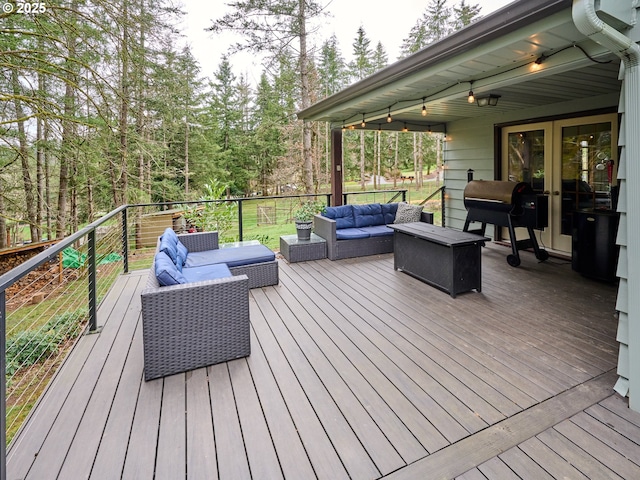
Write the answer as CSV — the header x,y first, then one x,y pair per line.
x,y
526,158
586,171
586,152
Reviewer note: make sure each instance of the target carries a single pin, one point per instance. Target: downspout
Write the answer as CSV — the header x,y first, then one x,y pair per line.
x,y
589,24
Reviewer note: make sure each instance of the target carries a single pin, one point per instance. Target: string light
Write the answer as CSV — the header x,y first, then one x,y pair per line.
x,y
363,124
405,129
532,65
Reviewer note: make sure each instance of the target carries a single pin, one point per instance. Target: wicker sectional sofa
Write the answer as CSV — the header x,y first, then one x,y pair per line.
x,y
360,230
204,318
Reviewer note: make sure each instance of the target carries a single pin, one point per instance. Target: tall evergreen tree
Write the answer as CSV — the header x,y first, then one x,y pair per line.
x,y
465,14
434,24
362,64
331,68
380,57
272,28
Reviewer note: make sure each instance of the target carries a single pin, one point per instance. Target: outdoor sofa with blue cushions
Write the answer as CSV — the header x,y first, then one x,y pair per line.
x,y
359,230
195,307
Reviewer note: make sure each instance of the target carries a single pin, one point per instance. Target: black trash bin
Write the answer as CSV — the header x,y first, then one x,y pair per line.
x,y
594,250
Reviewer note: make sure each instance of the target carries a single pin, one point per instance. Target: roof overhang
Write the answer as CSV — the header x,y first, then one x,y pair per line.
x,y
495,55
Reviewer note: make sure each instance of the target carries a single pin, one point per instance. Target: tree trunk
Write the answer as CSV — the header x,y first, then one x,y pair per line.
x,y
68,133
121,180
40,175
415,158
395,161
24,160
47,182
3,222
420,177
305,97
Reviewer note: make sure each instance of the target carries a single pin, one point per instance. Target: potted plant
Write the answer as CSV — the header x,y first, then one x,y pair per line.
x,y
303,217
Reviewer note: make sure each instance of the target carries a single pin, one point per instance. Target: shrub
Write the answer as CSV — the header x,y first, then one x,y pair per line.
x,y
32,346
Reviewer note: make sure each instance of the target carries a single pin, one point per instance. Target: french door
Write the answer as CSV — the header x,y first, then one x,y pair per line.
x,y
573,161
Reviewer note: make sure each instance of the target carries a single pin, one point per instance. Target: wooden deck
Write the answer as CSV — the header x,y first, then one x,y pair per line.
x,y
356,371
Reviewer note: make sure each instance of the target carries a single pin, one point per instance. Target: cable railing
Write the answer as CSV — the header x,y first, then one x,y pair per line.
x,y
50,300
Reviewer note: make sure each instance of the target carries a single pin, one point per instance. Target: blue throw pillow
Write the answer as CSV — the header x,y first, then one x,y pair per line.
x,y
166,271
182,253
169,247
389,212
169,234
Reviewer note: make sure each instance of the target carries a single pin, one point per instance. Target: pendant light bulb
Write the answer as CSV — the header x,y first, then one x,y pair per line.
x,y
424,110
471,98
363,124
389,120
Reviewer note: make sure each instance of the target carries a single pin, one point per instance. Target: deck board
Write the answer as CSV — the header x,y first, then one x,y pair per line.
x,y
356,371
201,448
172,447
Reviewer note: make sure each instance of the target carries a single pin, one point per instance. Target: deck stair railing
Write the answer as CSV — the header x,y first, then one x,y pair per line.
x,y
434,207
48,301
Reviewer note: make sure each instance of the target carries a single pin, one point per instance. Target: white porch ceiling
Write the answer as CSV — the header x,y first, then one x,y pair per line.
x,y
498,59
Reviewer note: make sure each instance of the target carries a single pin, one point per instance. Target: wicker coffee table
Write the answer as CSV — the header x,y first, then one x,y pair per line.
x,y
295,250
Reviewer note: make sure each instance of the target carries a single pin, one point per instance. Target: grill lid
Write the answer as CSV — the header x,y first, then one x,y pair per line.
x,y
495,191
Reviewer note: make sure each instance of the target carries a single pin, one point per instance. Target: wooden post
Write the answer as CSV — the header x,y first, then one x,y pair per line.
x,y
336,166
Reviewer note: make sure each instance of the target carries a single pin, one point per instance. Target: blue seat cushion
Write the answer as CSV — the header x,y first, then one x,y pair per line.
x,y
368,215
232,256
343,215
206,272
378,231
351,233
166,271
389,212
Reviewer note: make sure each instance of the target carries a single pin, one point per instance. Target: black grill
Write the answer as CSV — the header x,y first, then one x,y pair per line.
x,y
507,204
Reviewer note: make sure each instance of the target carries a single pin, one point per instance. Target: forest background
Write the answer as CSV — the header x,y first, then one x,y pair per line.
x,y
101,106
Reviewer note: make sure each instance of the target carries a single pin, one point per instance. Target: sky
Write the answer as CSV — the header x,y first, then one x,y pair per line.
x,y
383,21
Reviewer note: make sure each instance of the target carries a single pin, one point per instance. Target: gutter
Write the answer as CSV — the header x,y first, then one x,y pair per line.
x,y
589,24
506,20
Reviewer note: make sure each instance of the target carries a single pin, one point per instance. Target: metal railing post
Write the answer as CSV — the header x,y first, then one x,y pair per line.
x,y
3,384
125,242
240,219
328,199
404,195
91,265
